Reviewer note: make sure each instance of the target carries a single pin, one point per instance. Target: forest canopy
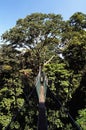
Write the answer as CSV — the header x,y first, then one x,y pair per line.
x,y
57,45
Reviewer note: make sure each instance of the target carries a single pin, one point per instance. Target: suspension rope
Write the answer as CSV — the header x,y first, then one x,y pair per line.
x,y
56,100
27,100
37,86
41,80
65,110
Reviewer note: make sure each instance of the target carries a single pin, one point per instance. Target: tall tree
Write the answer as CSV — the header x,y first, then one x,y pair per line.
x,y
34,32
74,38
41,38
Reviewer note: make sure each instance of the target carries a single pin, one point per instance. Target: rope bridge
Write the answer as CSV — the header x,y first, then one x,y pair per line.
x,y
42,79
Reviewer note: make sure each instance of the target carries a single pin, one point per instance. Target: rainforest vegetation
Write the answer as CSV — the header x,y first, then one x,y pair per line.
x,y
30,43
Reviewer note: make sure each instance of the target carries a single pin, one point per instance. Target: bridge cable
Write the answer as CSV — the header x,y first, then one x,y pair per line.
x,y
65,110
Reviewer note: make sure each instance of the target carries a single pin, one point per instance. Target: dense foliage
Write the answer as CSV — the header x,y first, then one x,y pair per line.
x,y
60,48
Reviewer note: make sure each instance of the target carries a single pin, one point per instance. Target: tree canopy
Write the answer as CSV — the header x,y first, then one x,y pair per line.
x,y
60,48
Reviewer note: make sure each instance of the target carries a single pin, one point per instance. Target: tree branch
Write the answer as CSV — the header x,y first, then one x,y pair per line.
x,y
49,60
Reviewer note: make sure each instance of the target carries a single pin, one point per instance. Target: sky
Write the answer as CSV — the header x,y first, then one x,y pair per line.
x,y
12,10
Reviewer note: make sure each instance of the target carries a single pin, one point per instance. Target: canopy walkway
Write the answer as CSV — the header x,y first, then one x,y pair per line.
x,y
42,79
